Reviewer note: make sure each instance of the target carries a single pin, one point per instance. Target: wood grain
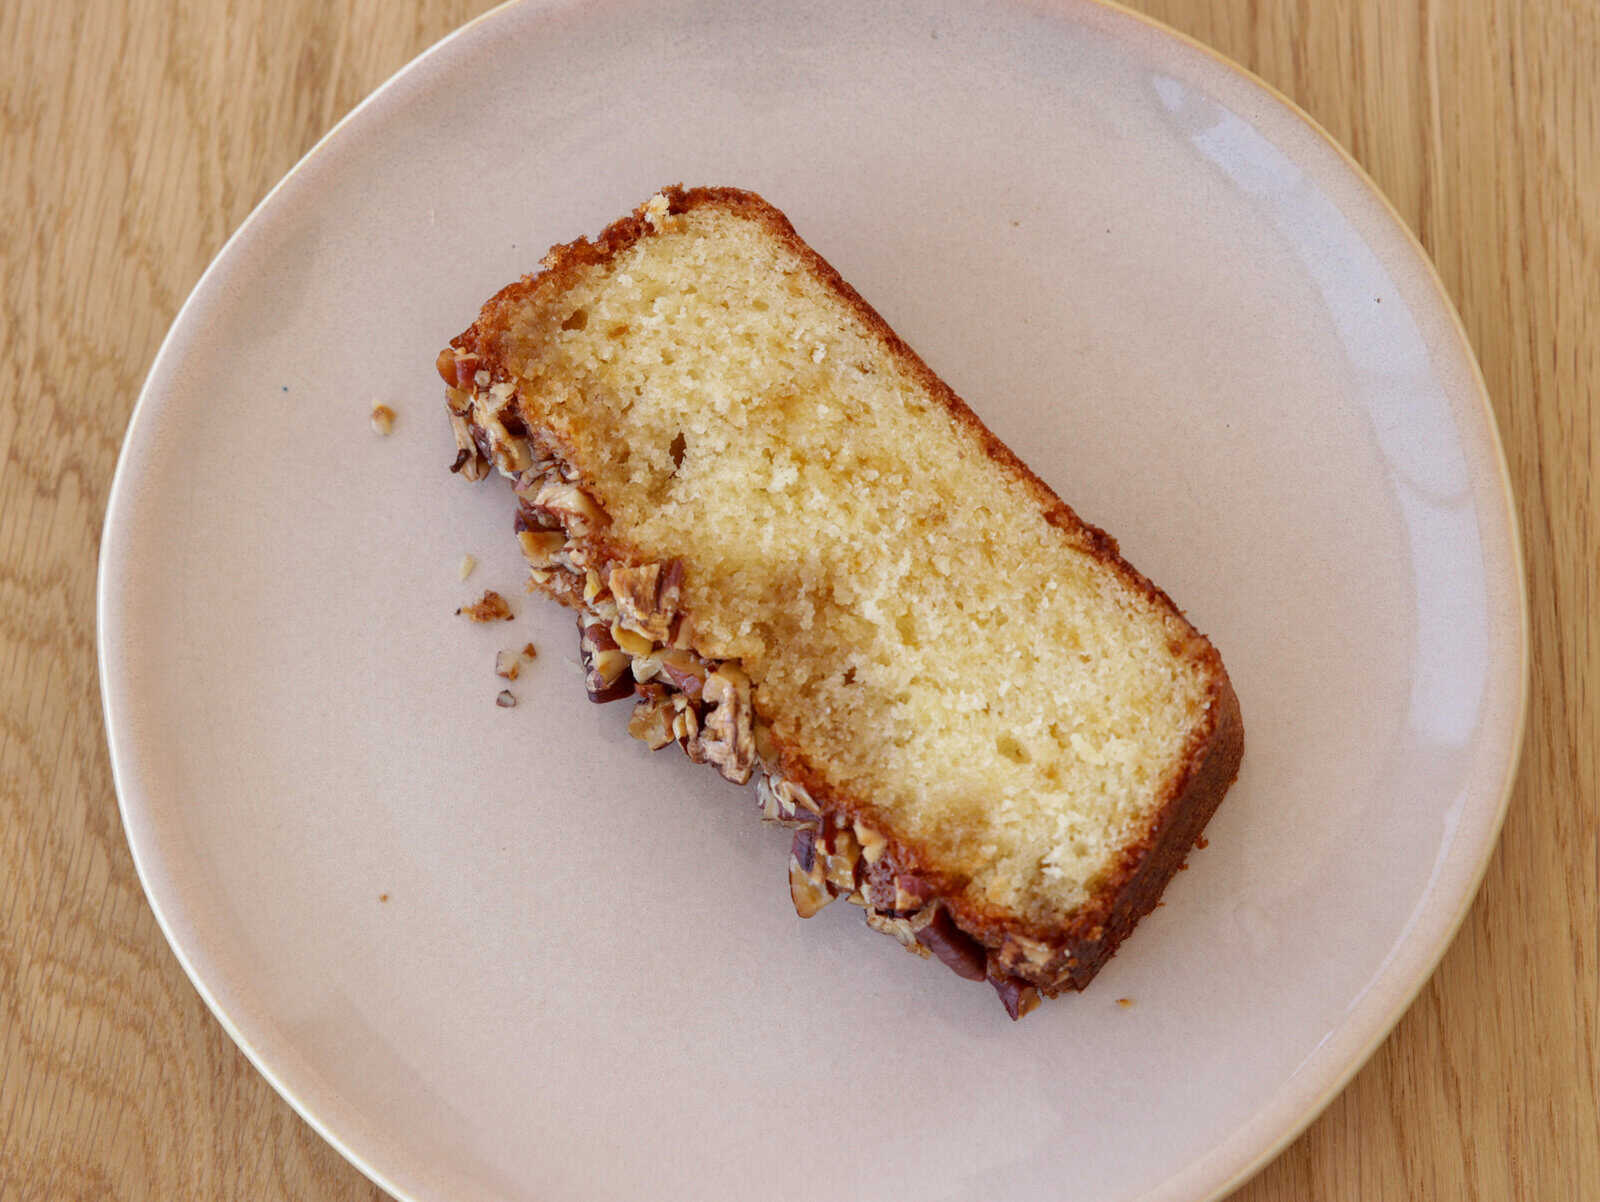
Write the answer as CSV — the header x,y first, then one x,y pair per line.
x,y
138,134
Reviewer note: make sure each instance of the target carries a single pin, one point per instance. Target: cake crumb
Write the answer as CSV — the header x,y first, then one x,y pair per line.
x,y
529,651
491,607
1125,1002
506,665
506,699
467,564
383,897
382,418
1202,843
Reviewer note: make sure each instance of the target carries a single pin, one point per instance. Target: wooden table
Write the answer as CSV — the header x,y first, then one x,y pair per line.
x,y
137,134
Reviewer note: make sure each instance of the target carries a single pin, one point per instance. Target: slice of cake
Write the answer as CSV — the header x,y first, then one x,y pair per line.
x,y
807,559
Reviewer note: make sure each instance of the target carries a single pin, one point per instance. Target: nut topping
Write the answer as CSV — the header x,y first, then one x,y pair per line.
x,y
511,453
651,721
903,929
685,670
1018,997
456,368
570,505
605,668
784,802
873,845
491,607
470,462
647,597
840,855
728,740
807,885
1021,949
540,547
686,729
911,893
633,644
960,952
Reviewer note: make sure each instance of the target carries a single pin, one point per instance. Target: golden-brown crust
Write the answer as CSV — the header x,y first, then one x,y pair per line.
x,y
1211,760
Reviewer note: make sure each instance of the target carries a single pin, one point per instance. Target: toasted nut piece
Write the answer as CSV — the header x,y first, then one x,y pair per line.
x,y
685,670
728,741
959,951
911,892
647,597
807,886
506,664
1018,997
784,802
901,928
605,668
646,668
540,547
840,853
491,607
610,665
651,722
873,845
467,564
506,699
592,586
686,729
629,641
457,368
570,505
383,419
511,454
1019,949
470,461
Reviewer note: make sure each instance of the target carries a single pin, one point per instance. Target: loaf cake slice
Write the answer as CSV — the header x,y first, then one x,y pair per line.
x,y
805,558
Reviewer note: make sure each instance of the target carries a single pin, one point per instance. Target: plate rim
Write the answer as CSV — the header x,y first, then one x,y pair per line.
x,y
1230,1173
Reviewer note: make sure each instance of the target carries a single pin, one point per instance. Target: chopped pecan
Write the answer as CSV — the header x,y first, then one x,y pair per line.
x,y
569,505
647,597
651,721
470,461
840,856
873,845
491,607
903,929
728,740
1017,996
808,886
605,667
784,802
685,670
629,641
491,411
911,892
541,547
1020,952
960,952
458,369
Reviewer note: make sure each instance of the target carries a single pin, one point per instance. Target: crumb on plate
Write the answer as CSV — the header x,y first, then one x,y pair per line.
x,y
491,607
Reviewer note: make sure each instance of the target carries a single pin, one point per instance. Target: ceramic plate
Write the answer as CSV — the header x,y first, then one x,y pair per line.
x,y
507,953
